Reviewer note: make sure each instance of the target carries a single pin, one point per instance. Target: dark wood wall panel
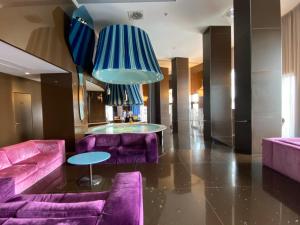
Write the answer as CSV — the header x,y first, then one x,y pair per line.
x,y
96,112
9,85
57,102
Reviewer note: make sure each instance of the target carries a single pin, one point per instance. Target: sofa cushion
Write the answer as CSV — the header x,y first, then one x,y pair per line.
x,y
131,150
133,139
7,188
59,210
20,152
62,198
103,140
291,141
50,221
4,162
10,209
42,159
86,144
19,172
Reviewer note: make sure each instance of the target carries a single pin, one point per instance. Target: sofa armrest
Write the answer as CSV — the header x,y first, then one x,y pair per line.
x,y
152,148
86,144
45,146
7,188
124,204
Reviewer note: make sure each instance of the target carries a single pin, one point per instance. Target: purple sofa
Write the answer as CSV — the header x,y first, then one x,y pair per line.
x,y
123,204
282,155
28,162
124,148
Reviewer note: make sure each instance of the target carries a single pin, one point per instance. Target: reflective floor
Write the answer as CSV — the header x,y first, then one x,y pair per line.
x,y
196,184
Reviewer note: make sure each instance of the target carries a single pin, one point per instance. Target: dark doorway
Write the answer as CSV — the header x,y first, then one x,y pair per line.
x,y
23,116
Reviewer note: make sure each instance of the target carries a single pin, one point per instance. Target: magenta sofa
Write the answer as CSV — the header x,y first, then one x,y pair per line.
x,y
122,205
124,148
28,162
282,155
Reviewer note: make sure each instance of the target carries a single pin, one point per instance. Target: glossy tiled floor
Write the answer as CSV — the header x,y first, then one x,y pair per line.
x,y
198,184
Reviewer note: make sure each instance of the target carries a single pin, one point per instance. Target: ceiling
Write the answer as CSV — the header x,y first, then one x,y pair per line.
x,y
287,5
182,20
174,27
17,62
93,87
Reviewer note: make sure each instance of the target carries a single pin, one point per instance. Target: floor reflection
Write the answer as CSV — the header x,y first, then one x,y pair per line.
x,y
204,184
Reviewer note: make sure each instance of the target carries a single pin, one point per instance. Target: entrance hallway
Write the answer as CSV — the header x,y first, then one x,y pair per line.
x,y
201,185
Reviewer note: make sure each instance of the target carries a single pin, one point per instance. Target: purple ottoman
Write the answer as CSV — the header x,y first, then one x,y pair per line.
x,y
282,155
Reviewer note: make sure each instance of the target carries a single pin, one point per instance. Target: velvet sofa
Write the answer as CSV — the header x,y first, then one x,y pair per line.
x,y
123,204
282,155
124,148
30,161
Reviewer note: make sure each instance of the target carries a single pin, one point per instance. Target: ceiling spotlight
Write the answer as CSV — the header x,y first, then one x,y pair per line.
x,y
135,15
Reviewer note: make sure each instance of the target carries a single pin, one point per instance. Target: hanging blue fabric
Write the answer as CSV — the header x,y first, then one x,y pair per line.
x,y
82,38
118,94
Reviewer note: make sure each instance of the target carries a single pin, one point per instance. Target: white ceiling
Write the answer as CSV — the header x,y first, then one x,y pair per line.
x,y
93,87
287,5
17,62
174,27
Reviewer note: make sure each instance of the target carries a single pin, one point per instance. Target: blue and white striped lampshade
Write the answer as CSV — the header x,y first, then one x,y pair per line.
x,y
82,38
125,56
120,94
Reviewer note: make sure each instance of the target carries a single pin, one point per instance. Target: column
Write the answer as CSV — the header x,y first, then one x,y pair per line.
x,y
257,28
181,99
217,84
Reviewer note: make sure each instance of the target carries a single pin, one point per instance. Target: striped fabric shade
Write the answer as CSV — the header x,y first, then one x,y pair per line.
x,y
82,38
125,56
123,95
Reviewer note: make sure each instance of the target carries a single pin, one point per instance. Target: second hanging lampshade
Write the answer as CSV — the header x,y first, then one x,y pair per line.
x,y
125,56
120,94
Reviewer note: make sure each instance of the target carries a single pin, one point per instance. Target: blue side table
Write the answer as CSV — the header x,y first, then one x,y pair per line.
x,y
89,158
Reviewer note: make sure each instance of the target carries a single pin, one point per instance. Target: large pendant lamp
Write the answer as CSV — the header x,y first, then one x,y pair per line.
x,y
120,94
82,38
125,56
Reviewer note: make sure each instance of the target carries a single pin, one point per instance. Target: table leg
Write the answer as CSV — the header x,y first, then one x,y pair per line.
x,y
91,180
91,174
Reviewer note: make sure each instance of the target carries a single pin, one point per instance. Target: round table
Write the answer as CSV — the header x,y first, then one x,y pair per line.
x,y
89,158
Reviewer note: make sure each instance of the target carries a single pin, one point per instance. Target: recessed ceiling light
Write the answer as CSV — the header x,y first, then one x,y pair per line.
x,y
27,73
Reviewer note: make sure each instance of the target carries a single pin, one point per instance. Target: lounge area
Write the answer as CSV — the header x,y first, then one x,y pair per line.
x,y
149,112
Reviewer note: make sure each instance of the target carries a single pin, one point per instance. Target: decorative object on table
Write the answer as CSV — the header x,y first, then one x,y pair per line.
x,y
89,158
82,38
123,202
81,93
125,56
119,94
124,148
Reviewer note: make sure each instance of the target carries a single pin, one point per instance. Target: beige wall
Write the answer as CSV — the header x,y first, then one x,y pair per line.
x,y
9,85
40,30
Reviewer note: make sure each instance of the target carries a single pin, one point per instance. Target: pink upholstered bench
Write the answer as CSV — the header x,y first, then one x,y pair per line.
x,y
282,155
